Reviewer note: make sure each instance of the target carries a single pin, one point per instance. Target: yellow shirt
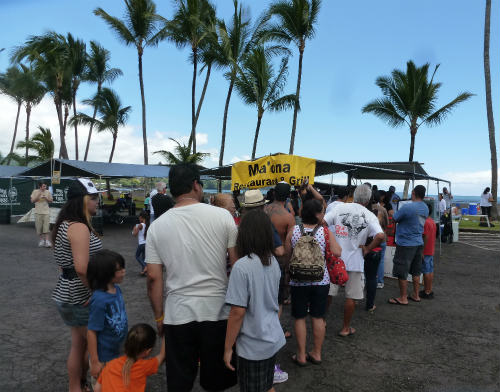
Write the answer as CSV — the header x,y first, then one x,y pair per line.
x,y
42,205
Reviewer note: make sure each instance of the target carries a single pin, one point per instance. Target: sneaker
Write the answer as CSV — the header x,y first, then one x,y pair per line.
x,y
41,244
48,244
279,375
380,285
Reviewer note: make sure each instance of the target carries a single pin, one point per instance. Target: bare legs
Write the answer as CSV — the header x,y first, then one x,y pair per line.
x,y
349,307
318,328
428,279
77,358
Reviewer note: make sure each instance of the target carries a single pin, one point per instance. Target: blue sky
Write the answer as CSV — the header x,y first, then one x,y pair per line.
x,y
356,41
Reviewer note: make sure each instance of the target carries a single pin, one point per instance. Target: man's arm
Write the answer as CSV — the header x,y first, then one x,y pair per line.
x,y
35,196
49,197
234,322
155,293
233,255
316,195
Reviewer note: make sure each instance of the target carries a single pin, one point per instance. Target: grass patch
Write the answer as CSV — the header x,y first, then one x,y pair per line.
x,y
473,223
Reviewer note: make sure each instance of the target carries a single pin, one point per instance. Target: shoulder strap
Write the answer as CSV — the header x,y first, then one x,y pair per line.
x,y
302,231
318,226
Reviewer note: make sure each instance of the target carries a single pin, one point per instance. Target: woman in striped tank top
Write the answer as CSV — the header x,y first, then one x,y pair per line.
x,y
74,241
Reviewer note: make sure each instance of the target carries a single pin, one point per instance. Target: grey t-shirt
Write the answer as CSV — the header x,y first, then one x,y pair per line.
x,y
255,287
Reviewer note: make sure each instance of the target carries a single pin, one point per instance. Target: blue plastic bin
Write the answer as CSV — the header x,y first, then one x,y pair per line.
x,y
465,211
472,209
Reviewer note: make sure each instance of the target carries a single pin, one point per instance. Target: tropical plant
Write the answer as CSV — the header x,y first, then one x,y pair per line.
x,y
9,86
192,25
41,145
32,92
258,85
49,56
489,109
235,41
111,115
139,28
410,98
182,154
98,72
78,63
296,23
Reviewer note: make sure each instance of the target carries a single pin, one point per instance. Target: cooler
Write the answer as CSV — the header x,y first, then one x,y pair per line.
x,y
472,209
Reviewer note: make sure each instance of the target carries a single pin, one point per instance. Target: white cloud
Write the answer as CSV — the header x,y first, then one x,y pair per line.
x,y
242,158
129,145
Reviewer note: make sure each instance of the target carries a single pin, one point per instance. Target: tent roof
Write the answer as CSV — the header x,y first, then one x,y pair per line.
x,y
71,168
365,171
11,171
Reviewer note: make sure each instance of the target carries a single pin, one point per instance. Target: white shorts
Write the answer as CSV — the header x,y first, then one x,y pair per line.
x,y
354,288
334,290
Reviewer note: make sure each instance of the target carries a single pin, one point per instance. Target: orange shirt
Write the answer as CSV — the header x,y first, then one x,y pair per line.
x,y
111,376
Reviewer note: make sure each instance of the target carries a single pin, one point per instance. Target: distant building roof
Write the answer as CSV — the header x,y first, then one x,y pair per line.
x,y
11,171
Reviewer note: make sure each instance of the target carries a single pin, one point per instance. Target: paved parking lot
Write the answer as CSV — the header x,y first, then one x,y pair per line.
x,y
447,344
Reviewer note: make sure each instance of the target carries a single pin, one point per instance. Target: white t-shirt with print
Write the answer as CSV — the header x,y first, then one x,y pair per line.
x,y
353,224
140,235
192,242
332,206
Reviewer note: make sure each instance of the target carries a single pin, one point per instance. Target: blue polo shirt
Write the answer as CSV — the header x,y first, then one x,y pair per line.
x,y
410,219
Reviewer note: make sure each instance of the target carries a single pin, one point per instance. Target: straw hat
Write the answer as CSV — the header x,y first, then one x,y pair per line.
x,y
253,198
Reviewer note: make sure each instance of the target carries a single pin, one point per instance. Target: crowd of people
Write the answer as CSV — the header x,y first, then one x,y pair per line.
x,y
220,272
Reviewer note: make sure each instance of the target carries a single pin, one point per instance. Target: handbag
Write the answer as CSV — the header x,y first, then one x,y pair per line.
x,y
335,265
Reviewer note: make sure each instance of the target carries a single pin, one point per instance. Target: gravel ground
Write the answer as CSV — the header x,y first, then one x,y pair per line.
x,y
448,344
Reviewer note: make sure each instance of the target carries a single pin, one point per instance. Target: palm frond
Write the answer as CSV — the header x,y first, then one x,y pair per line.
x,y
120,29
439,115
384,109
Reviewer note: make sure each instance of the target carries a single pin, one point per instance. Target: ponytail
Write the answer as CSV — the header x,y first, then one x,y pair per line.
x,y
141,337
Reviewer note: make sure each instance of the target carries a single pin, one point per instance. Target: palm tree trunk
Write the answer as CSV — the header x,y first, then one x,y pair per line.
x,y
202,97
19,103
259,119
99,86
413,132
63,151
224,121
66,115
489,110
76,128
143,100
28,114
90,135
297,97
192,138
113,147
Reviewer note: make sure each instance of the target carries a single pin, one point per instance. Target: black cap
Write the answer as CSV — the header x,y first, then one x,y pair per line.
x,y
282,191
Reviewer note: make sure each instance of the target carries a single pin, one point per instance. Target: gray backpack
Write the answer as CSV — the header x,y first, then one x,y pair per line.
x,y
307,263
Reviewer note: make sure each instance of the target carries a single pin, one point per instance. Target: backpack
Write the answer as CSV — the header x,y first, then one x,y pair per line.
x,y
307,263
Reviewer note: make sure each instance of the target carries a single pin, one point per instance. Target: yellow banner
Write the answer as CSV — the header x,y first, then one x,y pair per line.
x,y
270,170
56,177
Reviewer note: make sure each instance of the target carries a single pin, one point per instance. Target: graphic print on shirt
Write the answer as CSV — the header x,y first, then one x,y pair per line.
x,y
354,223
116,318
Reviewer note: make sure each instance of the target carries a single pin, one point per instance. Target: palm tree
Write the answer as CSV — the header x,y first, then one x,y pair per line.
x,y
296,23
42,145
257,85
9,86
32,92
112,115
78,63
191,26
49,56
98,72
235,42
139,28
489,109
182,154
410,98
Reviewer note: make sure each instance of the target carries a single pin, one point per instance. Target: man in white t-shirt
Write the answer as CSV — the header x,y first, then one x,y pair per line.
x,y
353,224
442,204
191,240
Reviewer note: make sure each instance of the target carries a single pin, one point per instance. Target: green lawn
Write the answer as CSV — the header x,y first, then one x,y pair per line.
x,y
473,223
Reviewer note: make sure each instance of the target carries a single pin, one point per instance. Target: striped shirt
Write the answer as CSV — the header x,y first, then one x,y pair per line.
x,y
70,291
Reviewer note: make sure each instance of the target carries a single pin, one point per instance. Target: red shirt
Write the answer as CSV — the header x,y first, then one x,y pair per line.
x,y
430,232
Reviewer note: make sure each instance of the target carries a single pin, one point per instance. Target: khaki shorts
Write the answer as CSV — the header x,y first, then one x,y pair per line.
x,y
354,288
42,223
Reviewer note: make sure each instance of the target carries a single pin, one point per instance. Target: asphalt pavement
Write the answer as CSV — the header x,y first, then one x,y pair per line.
x,y
450,343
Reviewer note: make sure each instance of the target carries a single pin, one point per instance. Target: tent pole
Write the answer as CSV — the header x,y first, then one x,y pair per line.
x,y
10,198
439,214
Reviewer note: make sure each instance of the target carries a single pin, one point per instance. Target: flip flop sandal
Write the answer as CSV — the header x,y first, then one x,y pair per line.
x,y
395,301
413,299
309,358
352,331
297,362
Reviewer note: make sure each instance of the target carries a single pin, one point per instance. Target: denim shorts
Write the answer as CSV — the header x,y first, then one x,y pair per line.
x,y
73,315
428,264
